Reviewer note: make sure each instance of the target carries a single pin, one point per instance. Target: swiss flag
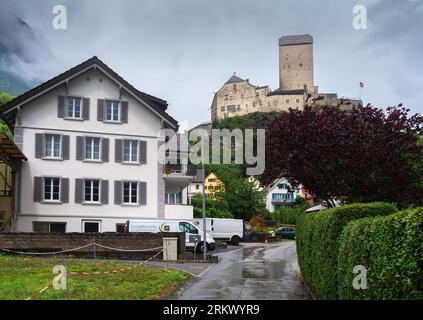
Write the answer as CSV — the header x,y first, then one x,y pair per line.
x,y
361,85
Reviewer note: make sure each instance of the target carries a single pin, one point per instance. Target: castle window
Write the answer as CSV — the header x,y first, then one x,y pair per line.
x,y
257,94
222,108
287,101
242,96
298,100
300,64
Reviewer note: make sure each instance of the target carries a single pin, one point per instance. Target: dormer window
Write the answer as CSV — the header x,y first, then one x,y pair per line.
x,y
112,111
73,107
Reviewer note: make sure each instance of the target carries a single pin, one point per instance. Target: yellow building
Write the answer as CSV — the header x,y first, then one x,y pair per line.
x,y
212,185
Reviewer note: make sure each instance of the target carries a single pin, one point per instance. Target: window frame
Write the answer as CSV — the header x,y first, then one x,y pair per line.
x,y
130,203
91,201
49,223
84,221
119,118
66,111
52,157
44,200
100,149
137,142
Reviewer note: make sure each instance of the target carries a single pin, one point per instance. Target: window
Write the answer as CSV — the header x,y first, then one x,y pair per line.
x,y
222,108
120,227
231,108
112,110
2,214
197,187
298,100
92,191
52,145
91,226
130,192
92,148
187,227
287,101
73,107
51,189
49,227
173,198
300,65
130,151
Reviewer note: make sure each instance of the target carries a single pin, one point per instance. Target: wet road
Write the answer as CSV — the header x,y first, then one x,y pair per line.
x,y
255,271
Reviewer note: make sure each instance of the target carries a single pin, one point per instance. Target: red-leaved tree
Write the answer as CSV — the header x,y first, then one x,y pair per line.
x,y
361,155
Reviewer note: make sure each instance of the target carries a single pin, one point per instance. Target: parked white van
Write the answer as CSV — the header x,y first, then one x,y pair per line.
x,y
230,230
166,225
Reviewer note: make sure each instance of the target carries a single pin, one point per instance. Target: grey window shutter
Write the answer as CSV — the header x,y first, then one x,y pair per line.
x,y
38,189
64,192
105,150
100,112
79,148
61,106
118,150
142,193
78,190
118,192
104,191
65,147
124,112
39,153
86,109
143,152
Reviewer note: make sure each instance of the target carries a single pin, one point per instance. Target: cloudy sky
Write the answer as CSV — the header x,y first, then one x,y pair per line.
x,y
184,50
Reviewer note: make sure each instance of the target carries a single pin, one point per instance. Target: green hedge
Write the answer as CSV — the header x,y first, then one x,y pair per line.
x,y
318,243
288,215
391,249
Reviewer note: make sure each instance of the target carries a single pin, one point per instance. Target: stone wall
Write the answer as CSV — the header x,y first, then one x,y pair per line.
x,y
49,242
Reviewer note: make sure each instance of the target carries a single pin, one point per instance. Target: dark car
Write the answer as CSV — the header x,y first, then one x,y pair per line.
x,y
286,232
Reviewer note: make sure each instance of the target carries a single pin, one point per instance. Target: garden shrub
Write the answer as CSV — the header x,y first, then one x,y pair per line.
x,y
289,215
318,243
391,250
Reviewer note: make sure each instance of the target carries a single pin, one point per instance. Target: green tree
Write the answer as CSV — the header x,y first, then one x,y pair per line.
x,y
4,128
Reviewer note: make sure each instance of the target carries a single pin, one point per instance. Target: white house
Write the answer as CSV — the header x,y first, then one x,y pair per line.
x,y
280,193
92,142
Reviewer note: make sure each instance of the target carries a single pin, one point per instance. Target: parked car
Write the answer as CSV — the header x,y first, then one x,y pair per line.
x,y
285,232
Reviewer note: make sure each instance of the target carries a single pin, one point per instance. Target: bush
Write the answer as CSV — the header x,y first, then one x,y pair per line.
x,y
391,249
289,215
318,243
214,208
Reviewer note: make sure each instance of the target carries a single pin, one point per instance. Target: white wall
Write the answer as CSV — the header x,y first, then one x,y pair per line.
x,y
184,212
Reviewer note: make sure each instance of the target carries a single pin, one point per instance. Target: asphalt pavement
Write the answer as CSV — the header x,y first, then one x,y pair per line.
x,y
254,271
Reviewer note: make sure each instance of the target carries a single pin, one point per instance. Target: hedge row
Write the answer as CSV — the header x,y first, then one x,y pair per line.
x,y
318,243
289,215
391,250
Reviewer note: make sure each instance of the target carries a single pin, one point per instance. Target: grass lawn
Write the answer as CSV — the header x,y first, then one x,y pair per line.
x,y
21,276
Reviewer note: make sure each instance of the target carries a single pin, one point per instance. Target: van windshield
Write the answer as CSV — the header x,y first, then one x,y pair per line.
x,y
187,228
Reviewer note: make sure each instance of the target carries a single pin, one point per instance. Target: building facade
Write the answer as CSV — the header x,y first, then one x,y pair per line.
x,y
212,185
93,147
281,193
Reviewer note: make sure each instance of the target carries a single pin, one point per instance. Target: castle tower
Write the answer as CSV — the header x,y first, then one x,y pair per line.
x,y
296,63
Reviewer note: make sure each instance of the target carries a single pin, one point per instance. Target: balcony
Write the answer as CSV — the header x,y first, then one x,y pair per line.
x,y
179,211
283,197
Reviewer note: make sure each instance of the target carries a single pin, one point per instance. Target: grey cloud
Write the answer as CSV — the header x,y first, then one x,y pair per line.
x,y
184,50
